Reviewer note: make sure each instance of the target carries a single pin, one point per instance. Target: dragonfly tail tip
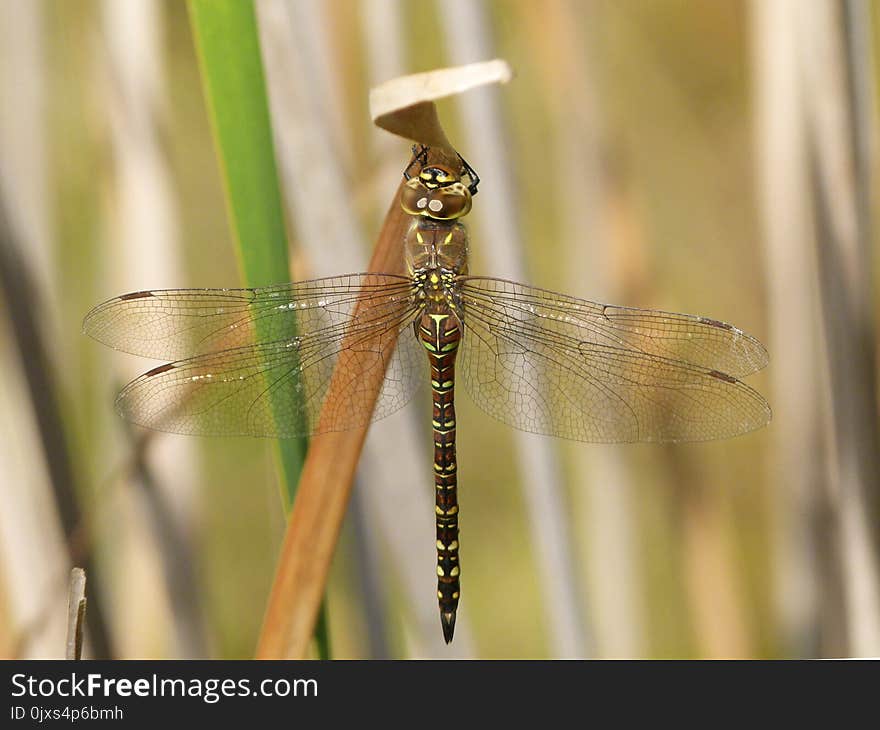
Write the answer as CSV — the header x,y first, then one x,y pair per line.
x,y
447,619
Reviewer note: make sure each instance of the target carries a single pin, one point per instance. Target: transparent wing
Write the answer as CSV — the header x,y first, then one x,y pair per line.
x,y
176,323
553,364
299,337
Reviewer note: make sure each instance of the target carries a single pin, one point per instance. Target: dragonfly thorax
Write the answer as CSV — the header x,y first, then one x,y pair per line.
x,y
437,285
432,244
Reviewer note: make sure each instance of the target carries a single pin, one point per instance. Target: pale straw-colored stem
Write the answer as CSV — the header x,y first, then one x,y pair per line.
x,y
467,38
795,465
835,57
142,247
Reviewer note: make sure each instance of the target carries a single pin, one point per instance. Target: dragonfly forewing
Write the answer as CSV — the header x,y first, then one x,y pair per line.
x,y
173,324
701,341
278,382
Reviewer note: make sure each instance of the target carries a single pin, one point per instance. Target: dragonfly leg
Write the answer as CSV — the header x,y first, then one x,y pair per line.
x,y
420,155
472,174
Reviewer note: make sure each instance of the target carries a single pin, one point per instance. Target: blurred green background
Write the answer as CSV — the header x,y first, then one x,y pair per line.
x,y
713,158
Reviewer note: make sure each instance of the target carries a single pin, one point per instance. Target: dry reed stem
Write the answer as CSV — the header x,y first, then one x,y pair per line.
x,y
839,131
801,593
76,613
500,217
322,498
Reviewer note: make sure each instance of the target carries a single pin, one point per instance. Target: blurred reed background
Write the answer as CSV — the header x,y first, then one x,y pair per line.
x,y
714,158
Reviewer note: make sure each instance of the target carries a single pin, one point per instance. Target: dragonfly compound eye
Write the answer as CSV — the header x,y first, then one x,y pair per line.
x,y
414,198
446,202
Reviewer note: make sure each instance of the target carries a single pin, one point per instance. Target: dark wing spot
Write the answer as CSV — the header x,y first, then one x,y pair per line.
x,y
160,369
716,323
136,295
723,376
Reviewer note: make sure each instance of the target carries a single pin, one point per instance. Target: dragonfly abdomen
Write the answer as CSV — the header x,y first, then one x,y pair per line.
x,y
440,333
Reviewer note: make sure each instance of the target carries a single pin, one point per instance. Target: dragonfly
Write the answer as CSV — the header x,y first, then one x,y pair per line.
x,y
297,359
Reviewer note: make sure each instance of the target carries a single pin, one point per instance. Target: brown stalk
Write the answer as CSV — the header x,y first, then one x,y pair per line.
x,y
321,501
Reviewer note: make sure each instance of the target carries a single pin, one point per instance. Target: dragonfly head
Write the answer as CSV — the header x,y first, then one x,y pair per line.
x,y
437,176
437,192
